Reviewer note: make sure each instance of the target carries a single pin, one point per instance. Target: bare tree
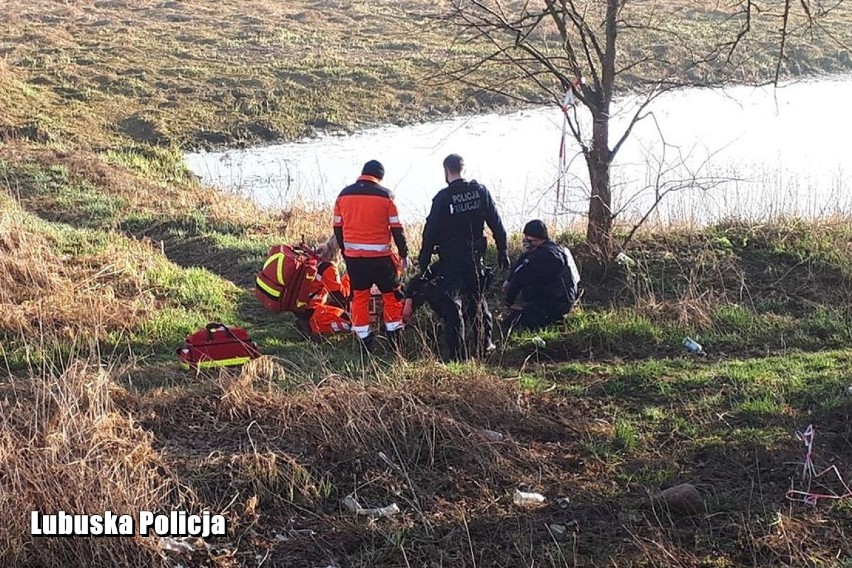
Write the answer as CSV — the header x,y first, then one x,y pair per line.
x,y
536,51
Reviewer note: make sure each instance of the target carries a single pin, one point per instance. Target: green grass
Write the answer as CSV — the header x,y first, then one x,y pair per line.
x,y
756,402
799,378
160,164
626,434
628,333
533,383
194,288
55,195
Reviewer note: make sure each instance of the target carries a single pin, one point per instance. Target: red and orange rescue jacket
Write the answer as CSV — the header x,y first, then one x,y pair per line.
x,y
365,220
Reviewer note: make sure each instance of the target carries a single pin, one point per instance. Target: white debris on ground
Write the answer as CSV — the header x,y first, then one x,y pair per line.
x,y
491,435
525,499
352,504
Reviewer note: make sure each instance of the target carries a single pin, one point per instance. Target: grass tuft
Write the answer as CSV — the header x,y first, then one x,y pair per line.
x,y
66,446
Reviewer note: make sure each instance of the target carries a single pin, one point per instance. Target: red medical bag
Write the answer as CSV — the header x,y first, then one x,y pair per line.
x,y
217,345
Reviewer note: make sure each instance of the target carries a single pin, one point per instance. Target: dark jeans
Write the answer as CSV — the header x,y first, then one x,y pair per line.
x,y
536,315
460,302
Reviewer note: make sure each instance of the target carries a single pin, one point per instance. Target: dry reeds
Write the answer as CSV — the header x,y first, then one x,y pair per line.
x,y
56,297
251,389
421,427
65,447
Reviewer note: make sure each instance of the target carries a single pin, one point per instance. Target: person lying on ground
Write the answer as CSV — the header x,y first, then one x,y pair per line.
x,y
545,276
326,312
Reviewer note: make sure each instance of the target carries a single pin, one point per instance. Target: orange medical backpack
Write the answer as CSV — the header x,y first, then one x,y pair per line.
x,y
285,282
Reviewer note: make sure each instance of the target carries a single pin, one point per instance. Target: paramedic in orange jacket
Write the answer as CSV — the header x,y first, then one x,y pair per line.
x,y
326,310
338,286
365,221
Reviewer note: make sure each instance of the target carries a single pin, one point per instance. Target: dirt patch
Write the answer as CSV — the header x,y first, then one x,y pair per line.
x,y
142,130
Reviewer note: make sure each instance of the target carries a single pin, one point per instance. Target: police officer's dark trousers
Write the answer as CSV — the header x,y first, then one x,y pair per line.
x,y
461,303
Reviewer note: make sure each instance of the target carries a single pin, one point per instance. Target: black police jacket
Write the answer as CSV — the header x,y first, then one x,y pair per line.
x,y
546,274
456,222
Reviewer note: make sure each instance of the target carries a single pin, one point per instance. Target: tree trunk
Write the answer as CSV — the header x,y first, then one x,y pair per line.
x,y
599,156
598,160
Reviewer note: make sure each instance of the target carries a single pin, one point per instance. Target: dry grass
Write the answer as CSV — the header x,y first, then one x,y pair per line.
x,y
189,71
45,294
64,445
299,223
683,274
63,288
292,450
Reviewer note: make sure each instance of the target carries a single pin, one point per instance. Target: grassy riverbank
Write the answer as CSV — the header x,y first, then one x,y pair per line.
x,y
111,252
609,412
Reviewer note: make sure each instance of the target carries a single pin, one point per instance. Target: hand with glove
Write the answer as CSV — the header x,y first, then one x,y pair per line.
x,y
503,259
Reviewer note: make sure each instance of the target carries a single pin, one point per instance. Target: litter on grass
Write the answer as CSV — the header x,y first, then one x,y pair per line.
x,y
808,494
352,504
524,499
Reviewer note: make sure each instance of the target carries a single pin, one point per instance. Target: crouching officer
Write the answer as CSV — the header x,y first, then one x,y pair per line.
x,y
455,226
546,277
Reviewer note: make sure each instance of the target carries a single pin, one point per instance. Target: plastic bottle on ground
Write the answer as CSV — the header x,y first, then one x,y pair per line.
x,y
693,346
523,498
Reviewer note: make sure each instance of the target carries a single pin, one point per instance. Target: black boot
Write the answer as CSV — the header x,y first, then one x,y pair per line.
x,y
395,339
304,328
366,343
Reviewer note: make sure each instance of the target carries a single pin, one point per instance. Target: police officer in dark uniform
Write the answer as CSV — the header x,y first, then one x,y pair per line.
x,y
546,277
455,226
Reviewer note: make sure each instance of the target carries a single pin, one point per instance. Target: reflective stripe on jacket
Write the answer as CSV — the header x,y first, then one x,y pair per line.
x,y
365,220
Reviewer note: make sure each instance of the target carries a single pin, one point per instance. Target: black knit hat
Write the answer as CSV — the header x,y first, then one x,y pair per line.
x,y
536,229
373,168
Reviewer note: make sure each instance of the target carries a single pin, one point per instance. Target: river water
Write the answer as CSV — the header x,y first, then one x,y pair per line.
x,y
753,153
